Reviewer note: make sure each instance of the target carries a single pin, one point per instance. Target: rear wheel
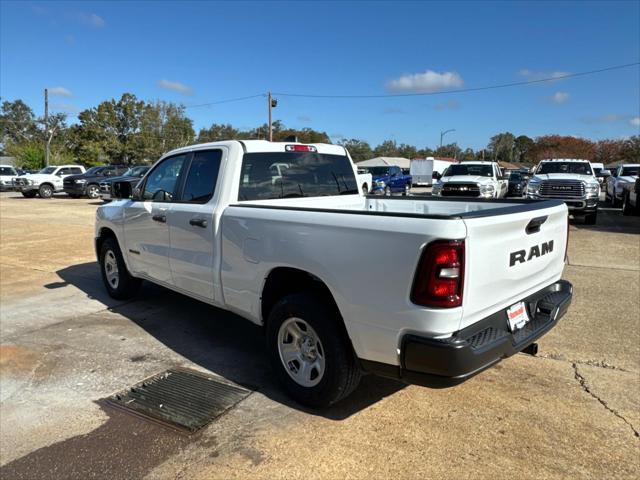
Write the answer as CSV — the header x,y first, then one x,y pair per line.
x,y
29,193
117,279
93,191
310,351
627,208
45,191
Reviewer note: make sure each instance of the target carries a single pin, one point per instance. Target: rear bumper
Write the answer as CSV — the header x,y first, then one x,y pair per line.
x,y
444,363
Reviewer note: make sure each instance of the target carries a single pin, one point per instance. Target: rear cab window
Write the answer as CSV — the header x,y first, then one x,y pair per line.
x,y
272,175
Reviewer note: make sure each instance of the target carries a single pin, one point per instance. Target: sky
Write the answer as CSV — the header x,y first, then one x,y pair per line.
x,y
200,52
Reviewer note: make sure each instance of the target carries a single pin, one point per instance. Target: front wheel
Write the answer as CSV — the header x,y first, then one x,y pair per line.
x,y
310,351
45,191
117,279
93,191
591,218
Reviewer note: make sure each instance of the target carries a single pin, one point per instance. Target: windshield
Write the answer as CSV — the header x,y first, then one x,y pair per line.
x,y
462,169
580,168
378,170
94,170
597,170
630,171
299,174
48,170
135,171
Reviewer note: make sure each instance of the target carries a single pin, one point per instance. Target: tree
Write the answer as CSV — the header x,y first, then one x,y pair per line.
x,y
17,123
630,151
467,155
388,148
558,146
451,150
407,151
523,147
217,132
502,147
358,149
164,127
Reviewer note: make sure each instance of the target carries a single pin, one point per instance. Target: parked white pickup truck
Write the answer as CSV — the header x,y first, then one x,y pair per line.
x,y
466,283
47,181
472,179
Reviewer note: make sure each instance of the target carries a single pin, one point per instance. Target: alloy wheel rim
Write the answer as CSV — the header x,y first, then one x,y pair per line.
x,y
93,191
111,269
301,352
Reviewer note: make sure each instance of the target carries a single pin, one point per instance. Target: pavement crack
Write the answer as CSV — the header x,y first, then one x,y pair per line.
x,y
583,384
591,363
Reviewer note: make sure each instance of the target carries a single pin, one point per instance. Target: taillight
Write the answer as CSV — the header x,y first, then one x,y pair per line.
x,y
300,148
440,275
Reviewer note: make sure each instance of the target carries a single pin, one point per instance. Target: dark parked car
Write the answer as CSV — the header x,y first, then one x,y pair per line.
x,y
89,182
133,176
517,183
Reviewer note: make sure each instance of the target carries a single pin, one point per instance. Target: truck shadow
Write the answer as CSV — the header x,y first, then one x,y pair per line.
x,y
219,341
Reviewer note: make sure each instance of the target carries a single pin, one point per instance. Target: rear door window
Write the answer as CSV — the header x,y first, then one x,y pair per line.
x,y
201,179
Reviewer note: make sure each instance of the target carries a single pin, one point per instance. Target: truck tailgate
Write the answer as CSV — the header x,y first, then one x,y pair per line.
x,y
511,256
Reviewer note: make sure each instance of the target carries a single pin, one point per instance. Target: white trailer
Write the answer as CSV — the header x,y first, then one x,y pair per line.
x,y
422,169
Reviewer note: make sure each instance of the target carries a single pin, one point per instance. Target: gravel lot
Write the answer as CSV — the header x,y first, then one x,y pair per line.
x,y
573,411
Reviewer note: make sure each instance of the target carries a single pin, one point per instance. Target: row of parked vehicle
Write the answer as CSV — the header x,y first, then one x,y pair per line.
x,y
74,180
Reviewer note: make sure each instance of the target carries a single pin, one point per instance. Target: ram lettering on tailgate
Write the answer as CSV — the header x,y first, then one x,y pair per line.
x,y
534,252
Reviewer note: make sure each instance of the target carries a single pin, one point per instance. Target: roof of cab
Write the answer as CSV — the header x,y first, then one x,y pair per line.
x,y
257,146
564,160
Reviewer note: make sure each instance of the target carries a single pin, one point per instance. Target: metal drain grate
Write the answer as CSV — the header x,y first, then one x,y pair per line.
x,y
183,398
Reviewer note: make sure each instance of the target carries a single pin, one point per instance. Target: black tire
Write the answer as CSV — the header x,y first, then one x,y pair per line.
x,y
29,194
341,372
45,191
93,191
591,218
627,208
127,286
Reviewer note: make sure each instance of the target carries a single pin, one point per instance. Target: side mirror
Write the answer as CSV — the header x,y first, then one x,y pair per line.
x,y
121,190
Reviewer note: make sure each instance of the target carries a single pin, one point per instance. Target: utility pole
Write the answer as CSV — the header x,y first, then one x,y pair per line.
x,y
46,127
273,103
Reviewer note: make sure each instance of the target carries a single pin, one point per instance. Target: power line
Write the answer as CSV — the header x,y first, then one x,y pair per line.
x,y
229,100
464,90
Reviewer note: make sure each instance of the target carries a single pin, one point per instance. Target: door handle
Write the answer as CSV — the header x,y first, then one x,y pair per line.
x,y
160,218
198,222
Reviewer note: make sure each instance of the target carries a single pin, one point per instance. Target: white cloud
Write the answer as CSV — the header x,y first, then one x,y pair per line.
x,y
91,20
634,122
60,91
429,81
176,87
532,76
560,98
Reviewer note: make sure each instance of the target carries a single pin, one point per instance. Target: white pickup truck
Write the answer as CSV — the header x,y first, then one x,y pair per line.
x,y
427,290
47,181
472,179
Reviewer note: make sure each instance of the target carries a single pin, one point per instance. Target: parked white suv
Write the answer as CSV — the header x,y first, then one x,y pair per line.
x,y
47,181
472,179
466,282
623,175
570,180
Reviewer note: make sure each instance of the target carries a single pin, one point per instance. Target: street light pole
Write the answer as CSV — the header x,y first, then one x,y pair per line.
x,y
273,103
46,127
442,134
